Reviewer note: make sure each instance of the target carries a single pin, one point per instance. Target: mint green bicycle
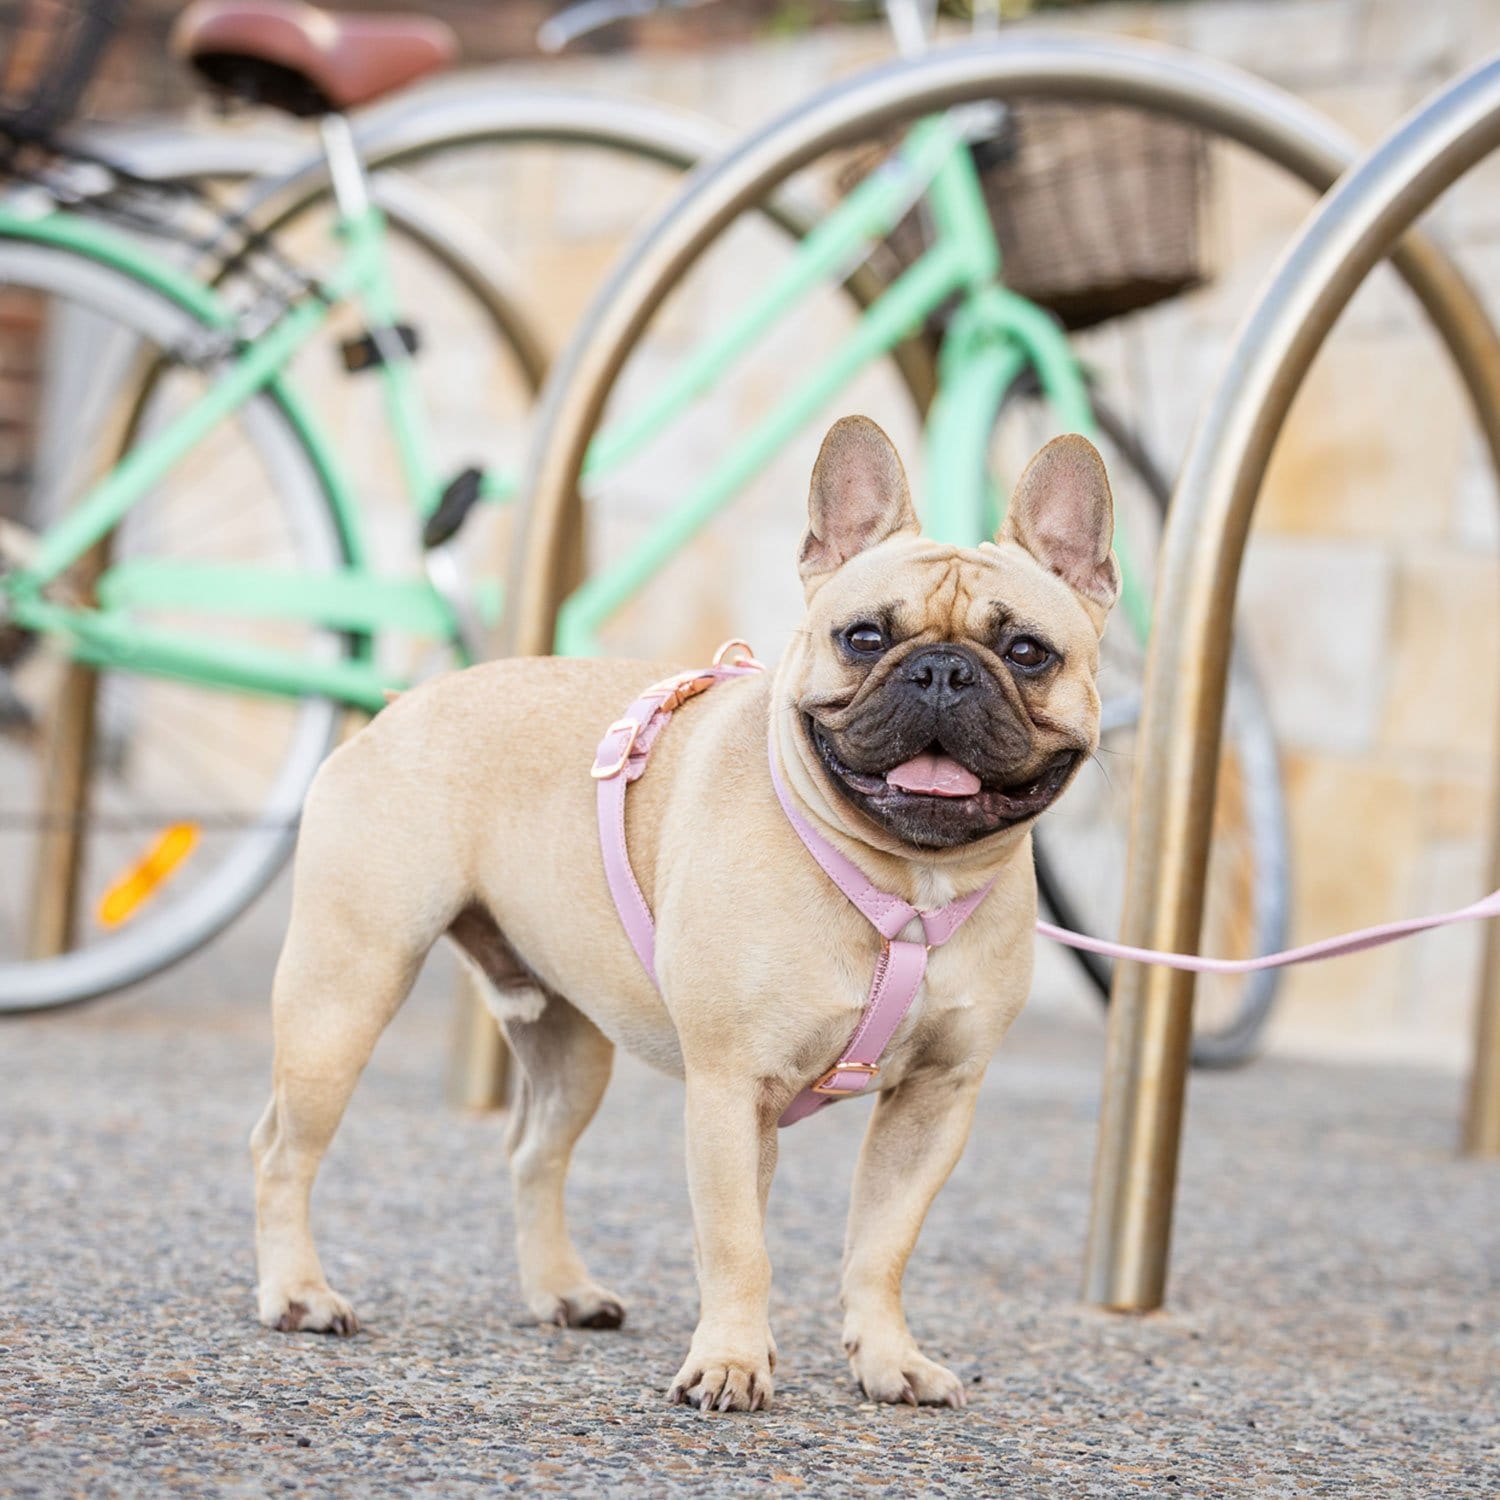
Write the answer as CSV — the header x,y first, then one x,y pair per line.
x,y
148,607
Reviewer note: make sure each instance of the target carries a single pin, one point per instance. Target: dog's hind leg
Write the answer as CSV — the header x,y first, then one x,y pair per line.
x,y
330,1010
565,1062
352,950
564,1069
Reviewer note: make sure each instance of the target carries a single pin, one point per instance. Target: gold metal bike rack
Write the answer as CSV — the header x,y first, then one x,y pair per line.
x,y
1197,573
1151,1020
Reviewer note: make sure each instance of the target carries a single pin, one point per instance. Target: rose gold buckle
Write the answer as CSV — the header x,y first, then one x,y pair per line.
x,y
680,688
822,1086
603,773
746,657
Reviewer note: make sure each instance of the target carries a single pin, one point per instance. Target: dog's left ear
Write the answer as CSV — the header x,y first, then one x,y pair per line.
x,y
859,497
1063,514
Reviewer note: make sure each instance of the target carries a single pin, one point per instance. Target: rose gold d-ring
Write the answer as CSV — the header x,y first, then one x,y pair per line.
x,y
746,657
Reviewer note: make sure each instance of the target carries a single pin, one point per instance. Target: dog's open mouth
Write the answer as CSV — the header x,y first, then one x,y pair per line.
x,y
933,801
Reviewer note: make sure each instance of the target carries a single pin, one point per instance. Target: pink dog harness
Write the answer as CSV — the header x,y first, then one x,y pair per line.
x,y
621,759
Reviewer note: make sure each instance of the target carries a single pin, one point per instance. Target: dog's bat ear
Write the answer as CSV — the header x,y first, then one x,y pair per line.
x,y
1063,514
859,497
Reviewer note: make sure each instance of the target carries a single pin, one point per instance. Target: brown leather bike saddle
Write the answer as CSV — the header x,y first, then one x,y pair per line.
x,y
307,61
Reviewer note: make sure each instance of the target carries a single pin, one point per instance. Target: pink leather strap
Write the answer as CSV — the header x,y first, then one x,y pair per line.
x,y
898,974
888,914
620,760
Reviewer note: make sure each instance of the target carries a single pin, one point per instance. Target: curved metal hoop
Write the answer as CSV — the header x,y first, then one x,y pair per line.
x,y
1151,1016
1218,98
473,110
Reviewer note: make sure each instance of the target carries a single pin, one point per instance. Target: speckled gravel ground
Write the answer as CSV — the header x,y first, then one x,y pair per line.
x,y
1333,1328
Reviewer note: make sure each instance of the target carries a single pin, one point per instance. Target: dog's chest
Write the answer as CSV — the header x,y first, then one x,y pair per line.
x,y
958,1015
974,986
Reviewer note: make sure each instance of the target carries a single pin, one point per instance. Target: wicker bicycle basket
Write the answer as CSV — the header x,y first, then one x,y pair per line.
x,y
1098,209
49,50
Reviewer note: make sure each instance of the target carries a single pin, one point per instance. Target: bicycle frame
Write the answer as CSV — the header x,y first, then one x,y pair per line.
x,y
353,600
993,336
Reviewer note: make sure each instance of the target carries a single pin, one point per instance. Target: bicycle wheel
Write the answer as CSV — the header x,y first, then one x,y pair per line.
x,y
1081,844
104,776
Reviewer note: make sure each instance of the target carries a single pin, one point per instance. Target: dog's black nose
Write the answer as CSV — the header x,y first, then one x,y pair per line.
x,y
940,672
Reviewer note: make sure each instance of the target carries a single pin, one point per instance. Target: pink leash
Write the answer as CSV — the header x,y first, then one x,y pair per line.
x,y
1308,953
621,759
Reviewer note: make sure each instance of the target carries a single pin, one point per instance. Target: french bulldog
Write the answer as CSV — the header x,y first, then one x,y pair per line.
x,y
934,702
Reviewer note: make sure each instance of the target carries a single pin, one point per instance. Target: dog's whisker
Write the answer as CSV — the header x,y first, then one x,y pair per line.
x,y
1103,771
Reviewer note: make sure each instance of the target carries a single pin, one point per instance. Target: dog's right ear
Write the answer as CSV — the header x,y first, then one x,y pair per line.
x,y
1063,514
859,497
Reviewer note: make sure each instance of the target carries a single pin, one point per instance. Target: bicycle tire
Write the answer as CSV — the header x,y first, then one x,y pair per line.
x,y
159,938
1232,1042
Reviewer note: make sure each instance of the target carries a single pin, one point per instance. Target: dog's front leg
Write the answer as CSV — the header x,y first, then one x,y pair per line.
x,y
915,1137
731,1156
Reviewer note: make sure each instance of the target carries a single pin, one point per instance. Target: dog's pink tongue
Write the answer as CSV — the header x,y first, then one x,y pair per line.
x,y
933,776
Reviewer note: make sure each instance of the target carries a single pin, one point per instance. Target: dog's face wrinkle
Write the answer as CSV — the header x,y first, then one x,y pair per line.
x,y
989,731
878,669
994,746
889,720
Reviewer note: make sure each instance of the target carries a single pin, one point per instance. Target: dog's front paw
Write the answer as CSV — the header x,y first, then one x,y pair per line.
x,y
585,1306
722,1378
307,1309
898,1374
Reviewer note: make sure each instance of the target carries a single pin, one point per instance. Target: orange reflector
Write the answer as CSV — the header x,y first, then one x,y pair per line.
x,y
144,878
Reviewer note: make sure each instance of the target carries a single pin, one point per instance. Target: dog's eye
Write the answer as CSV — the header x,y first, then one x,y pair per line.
x,y
866,640
1027,654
